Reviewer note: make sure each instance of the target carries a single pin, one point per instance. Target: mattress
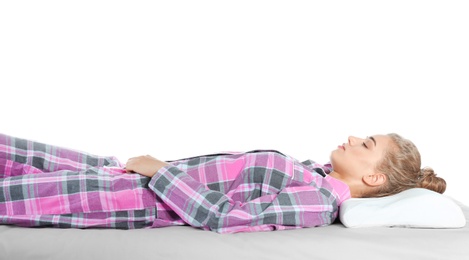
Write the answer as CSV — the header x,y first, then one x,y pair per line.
x,y
331,242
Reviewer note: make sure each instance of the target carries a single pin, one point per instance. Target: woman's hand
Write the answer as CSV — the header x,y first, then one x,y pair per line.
x,y
145,165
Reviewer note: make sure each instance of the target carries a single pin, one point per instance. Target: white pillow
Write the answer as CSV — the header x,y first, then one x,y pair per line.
x,y
415,208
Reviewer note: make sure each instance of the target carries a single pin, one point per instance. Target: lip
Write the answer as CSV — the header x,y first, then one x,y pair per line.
x,y
341,147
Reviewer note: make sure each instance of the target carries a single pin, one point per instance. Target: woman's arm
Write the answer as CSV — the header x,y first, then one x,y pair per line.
x,y
145,165
292,207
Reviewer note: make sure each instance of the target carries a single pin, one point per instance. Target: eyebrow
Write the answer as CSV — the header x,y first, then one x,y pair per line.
x,y
373,139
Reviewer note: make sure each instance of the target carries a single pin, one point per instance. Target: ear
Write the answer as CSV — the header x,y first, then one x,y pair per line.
x,y
375,179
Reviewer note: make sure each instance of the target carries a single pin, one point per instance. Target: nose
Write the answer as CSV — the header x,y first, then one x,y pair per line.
x,y
353,140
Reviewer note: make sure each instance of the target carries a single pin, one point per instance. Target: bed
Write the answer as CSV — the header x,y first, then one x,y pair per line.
x,y
331,242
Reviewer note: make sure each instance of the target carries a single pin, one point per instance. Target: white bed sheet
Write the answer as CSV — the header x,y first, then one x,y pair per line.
x,y
331,242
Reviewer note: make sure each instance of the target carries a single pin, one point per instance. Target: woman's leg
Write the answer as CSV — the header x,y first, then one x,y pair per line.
x,y
95,197
130,219
21,156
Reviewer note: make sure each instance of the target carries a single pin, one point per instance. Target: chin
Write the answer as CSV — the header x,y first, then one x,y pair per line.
x,y
333,156
331,161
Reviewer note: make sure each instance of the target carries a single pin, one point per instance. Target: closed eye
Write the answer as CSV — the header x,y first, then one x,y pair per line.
x,y
365,145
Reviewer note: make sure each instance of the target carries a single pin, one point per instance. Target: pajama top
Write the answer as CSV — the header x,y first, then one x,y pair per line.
x,y
45,185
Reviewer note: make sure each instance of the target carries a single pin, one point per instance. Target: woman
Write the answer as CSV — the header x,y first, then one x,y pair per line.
x,y
44,185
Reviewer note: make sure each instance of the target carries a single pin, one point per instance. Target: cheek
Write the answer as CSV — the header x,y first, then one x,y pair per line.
x,y
371,160
366,163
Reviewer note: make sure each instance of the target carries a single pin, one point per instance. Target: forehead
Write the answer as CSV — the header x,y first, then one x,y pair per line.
x,y
382,141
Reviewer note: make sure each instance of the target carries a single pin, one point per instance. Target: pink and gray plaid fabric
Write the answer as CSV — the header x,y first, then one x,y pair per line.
x,y
45,185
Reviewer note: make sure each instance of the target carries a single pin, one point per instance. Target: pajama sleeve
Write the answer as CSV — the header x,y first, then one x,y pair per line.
x,y
293,206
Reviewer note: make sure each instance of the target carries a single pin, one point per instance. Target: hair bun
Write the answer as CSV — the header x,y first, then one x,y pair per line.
x,y
429,180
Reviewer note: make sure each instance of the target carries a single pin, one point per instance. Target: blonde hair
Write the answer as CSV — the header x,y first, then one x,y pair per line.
x,y
401,165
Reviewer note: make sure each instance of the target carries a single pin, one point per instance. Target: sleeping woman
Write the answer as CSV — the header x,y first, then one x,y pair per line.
x,y
48,186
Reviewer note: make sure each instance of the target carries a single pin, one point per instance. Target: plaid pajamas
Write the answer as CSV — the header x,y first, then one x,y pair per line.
x,y
44,185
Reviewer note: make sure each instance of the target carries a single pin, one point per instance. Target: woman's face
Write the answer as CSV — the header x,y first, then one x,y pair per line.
x,y
359,157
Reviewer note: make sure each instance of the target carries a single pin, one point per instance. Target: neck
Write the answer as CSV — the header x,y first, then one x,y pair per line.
x,y
356,187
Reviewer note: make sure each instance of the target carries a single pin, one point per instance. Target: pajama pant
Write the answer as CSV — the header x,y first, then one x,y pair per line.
x,y
45,185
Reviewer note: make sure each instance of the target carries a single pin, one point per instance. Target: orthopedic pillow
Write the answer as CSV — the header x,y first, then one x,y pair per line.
x,y
413,208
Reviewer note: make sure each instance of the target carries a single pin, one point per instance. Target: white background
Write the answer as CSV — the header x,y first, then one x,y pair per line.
x,y
180,78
